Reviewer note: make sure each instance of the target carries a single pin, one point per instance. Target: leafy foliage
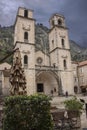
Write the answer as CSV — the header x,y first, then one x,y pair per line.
x,y
73,104
27,113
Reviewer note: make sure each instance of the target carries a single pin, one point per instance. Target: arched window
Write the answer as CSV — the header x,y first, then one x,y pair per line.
x,y
25,60
64,64
26,13
76,89
63,43
25,35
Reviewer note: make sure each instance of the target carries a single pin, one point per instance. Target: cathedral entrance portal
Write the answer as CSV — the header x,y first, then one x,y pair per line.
x,y
46,83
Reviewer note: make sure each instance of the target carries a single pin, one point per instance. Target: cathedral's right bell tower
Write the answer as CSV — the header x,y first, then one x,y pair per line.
x,y
60,51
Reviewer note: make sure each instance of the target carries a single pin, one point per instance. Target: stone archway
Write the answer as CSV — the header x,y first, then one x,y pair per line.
x,y
47,82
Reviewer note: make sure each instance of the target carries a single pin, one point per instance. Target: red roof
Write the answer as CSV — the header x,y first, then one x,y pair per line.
x,y
83,63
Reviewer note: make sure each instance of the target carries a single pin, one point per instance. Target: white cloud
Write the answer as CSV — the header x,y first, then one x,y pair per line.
x,y
42,8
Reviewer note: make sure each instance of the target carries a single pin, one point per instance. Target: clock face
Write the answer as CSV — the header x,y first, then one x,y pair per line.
x,y
39,60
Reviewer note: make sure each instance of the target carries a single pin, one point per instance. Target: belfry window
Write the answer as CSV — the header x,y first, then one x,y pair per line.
x,y
26,13
63,43
59,22
64,64
25,35
25,60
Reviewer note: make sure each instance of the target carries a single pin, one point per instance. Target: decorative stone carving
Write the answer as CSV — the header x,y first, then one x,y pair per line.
x,y
17,77
26,28
26,52
64,56
39,60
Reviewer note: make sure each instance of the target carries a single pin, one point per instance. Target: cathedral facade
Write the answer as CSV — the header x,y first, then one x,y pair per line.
x,y
49,73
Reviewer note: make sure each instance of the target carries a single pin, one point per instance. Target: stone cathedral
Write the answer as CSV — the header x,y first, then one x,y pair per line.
x,y
48,73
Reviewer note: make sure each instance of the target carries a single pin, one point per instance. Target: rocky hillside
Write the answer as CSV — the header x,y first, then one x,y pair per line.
x,y
78,53
6,42
42,43
41,37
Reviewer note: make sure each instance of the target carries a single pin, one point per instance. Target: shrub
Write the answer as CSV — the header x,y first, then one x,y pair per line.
x,y
74,105
27,113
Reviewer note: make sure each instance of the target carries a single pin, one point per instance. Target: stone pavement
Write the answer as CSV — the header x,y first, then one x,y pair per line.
x,y
58,102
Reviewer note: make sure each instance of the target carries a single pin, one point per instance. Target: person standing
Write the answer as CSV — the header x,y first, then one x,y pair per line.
x,y
66,94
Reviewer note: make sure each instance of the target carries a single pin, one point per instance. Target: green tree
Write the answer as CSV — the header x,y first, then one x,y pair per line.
x,y
27,113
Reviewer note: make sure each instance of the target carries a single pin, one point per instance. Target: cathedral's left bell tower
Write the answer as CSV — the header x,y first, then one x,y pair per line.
x,y
24,39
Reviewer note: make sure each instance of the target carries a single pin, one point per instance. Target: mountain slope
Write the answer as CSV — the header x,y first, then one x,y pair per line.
x,y
42,43
78,53
6,42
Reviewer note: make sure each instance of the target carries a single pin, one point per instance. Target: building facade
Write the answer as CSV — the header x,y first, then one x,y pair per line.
x,y
4,78
75,77
49,73
82,69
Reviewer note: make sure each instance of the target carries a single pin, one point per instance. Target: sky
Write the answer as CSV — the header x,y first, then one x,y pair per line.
x,y
75,12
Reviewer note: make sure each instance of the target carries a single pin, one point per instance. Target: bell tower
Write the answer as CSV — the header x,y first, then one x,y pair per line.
x,y
60,51
57,20
24,39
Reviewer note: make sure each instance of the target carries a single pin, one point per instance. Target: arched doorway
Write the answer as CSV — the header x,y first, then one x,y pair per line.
x,y
46,83
83,89
75,89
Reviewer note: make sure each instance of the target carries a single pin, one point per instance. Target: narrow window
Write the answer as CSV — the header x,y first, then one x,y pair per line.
x,y
0,87
64,63
25,59
81,69
52,43
25,35
26,13
53,22
59,22
75,79
63,44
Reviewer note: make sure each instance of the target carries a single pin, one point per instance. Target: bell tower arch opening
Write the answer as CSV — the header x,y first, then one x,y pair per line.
x,y
26,13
